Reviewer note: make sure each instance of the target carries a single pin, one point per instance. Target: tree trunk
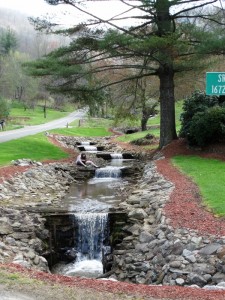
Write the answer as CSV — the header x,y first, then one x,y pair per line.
x,y
166,76
167,106
144,121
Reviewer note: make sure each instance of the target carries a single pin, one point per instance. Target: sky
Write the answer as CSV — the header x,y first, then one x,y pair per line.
x,y
40,8
30,7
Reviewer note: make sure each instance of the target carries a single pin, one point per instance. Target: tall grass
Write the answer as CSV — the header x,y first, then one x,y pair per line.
x,y
209,175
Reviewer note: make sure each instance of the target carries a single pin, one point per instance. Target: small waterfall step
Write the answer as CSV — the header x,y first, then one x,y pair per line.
x,y
90,148
108,172
109,156
85,143
91,234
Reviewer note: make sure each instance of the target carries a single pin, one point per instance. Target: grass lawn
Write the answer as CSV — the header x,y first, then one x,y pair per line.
x,y
36,147
36,116
137,135
209,175
83,131
20,117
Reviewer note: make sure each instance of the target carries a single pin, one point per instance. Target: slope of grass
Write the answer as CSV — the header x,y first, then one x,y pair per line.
x,y
20,117
83,131
209,175
35,147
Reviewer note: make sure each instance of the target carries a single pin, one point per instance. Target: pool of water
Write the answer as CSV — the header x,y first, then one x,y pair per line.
x,y
97,194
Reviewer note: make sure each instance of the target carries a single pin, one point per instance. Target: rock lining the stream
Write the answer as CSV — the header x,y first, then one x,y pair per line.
x,y
153,252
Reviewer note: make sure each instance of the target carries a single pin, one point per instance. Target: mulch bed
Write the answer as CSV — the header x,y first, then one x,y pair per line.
x,y
118,288
184,210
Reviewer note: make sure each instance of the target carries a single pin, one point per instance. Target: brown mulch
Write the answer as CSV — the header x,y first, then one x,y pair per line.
x,y
184,210
118,288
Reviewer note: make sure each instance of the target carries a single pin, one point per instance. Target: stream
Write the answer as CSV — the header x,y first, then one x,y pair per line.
x,y
89,203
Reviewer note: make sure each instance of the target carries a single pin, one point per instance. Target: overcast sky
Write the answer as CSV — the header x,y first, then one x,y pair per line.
x,y
33,7
104,9
36,8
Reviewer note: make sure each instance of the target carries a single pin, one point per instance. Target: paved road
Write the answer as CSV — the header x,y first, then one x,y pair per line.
x,y
30,130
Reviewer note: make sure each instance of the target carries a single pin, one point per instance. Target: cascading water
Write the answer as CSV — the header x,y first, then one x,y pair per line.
x,y
116,155
90,204
87,148
90,148
91,233
85,143
108,172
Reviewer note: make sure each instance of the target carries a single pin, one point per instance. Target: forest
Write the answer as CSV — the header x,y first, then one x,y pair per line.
x,y
19,43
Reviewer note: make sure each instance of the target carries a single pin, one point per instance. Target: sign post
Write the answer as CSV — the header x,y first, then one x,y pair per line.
x,y
215,83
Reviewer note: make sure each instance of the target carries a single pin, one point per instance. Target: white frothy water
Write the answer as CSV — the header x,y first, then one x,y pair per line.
x,y
108,172
87,268
116,155
90,236
85,143
90,148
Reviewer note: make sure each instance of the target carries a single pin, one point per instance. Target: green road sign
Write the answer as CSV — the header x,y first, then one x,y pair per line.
x,y
215,83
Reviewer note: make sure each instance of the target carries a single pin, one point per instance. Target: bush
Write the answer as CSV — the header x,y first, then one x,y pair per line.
x,y
198,102
207,127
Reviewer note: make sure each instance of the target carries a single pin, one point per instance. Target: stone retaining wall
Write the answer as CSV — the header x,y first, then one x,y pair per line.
x,y
153,252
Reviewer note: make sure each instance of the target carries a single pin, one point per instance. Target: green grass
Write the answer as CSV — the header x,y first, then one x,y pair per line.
x,y
209,175
83,131
19,117
36,116
178,110
133,136
35,147
137,135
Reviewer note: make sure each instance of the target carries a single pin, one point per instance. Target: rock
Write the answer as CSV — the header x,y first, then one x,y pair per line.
x,y
5,228
146,237
197,279
138,214
210,249
151,251
218,277
180,281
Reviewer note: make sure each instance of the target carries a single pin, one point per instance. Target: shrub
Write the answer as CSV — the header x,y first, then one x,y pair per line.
x,y
198,102
207,127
